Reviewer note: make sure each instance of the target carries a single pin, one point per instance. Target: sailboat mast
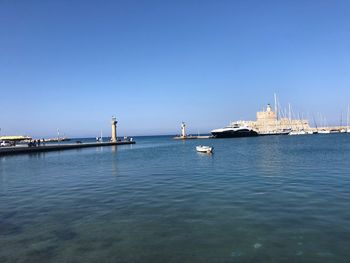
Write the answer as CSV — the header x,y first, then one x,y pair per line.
x,y
347,119
290,114
276,110
341,118
313,116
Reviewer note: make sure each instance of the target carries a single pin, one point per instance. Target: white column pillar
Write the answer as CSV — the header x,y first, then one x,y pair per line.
x,y
183,129
114,129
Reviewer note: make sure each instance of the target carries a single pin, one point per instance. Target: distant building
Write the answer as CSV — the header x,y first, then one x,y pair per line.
x,y
268,121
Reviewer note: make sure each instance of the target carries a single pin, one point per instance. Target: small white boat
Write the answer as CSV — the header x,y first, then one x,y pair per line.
x,y
204,149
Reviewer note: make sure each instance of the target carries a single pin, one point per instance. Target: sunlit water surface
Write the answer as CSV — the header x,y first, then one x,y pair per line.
x,y
266,199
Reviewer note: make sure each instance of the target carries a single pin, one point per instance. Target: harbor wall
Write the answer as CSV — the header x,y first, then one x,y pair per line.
x,y
56,147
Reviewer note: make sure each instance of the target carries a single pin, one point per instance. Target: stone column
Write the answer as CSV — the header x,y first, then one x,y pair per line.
x,y
183,129
114,129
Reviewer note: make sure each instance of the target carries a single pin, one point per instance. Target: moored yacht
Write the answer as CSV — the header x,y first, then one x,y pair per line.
x,y
234,130
277,132
324,131
302,132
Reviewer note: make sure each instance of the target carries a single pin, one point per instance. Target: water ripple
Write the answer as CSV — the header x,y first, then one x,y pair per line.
x,y
271,199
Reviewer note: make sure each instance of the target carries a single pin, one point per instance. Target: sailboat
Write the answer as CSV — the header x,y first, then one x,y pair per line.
x,y
299,131
341,130
323,130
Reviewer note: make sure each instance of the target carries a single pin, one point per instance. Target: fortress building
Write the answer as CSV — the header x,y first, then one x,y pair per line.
x,y
268,121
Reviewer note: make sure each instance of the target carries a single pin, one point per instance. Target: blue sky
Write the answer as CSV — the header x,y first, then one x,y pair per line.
x,y
73,64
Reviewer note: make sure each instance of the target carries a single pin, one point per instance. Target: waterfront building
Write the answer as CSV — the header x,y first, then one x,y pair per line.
x,y
268,121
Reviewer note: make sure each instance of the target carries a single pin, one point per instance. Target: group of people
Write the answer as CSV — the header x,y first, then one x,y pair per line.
x,y
35,143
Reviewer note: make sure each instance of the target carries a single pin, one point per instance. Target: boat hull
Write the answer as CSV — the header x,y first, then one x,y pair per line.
x,y
274,133
204,149
235,134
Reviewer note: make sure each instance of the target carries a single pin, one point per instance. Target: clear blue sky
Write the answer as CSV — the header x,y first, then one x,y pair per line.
x,y
73,64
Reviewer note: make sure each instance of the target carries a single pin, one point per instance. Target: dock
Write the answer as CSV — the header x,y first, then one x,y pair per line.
x,y
190,137
184,136
57,147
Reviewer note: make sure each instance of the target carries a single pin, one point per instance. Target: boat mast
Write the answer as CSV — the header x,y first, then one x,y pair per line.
x,y
341,119
276,110
276,106
290,113
302,121
313,116
347,119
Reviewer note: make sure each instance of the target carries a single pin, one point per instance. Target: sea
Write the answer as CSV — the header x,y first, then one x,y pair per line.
x,y
263,199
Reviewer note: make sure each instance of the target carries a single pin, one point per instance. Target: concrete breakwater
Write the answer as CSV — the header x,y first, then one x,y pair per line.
x,y
57,147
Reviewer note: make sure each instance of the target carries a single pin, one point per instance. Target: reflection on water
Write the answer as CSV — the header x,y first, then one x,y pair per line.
x,y
114,148
268,155
270,199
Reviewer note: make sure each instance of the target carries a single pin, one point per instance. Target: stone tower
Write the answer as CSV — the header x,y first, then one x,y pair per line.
x,y
183,129
114,129
266,120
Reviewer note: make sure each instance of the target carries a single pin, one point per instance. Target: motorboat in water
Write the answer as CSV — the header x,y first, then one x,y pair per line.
x,y
311,132
234,130
204,149
277,132
302,132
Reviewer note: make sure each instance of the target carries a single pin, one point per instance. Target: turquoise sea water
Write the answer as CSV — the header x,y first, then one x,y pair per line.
x,y
264,199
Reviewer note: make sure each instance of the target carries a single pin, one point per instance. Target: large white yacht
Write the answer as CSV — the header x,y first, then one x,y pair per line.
x,y
234,130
